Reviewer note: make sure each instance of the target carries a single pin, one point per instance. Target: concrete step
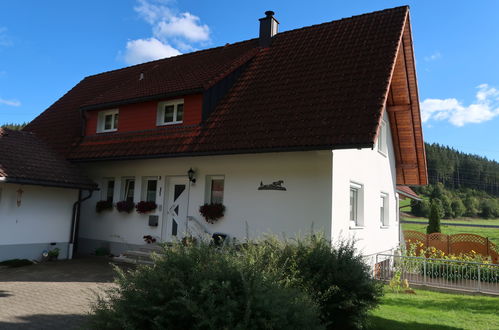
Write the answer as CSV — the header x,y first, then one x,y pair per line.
x,y
138,254
135,261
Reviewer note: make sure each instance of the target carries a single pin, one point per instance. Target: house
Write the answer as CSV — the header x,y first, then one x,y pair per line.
x,y
38,192
308,130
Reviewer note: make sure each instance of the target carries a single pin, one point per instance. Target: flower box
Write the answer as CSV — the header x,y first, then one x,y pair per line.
x,y
212,212
103,206
125,206
145,207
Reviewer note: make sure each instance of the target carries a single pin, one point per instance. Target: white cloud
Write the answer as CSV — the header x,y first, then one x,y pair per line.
x,y
11,103
4,39
433,57
185,26
172,32
144,50
484,108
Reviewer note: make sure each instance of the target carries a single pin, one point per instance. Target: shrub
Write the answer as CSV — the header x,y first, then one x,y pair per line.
x,y
125,206
145,207
420,208
202,287
435,215
336,278
458,207
103,206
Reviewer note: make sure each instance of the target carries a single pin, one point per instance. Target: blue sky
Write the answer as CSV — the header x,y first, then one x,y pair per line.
x,y
46,47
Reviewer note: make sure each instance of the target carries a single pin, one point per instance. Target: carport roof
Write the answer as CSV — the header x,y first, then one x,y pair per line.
x,y
26,159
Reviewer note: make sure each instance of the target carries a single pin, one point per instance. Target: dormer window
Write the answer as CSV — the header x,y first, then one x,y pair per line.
x,y
171,112
107,121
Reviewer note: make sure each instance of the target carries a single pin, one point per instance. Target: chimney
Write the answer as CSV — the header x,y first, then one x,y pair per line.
x,y
268,28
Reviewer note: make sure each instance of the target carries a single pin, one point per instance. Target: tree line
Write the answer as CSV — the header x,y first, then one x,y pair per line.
x,y
14,126
457,170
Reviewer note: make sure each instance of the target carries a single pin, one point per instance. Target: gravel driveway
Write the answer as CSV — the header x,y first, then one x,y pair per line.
x,y
53,295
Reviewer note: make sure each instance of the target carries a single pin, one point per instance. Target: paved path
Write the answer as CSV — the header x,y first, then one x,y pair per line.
x,y
55,295
451,224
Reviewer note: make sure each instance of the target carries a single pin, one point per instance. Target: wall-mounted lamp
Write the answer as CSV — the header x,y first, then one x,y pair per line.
x,y
19,196
190,174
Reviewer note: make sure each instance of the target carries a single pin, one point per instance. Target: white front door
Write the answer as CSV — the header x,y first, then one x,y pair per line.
x,y
174,217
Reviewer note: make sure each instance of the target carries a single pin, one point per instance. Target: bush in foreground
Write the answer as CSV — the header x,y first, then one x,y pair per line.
x,y
269,285
336,278
201,287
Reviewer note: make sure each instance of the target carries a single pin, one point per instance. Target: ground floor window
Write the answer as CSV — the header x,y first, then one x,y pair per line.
x,y
384,209
128,189
149,189
215,189
108,189
356,211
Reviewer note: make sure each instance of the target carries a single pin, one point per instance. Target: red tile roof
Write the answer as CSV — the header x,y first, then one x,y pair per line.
x,y
319,87
407,192
25,159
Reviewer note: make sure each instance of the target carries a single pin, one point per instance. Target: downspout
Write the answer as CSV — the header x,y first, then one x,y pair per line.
x,y
75,222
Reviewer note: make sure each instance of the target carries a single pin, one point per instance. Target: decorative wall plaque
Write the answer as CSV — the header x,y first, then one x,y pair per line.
x,y
277,185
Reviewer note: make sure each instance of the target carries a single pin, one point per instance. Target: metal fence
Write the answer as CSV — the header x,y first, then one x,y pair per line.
x,y
440,273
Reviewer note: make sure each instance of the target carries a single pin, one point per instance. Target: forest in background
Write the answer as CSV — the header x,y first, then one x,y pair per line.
x,y
460,184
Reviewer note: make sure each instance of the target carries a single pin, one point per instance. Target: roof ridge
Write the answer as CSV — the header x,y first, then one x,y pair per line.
x,y
176,56
248,40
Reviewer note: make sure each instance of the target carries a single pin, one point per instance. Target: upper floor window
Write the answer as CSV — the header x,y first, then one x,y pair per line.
x,y
107,121
382,138
171,112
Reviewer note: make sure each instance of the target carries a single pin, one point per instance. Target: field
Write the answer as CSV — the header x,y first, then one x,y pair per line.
x,y
491,233
434,310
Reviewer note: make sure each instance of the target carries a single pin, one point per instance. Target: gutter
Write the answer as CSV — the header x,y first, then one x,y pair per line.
x,y
47,183
75,222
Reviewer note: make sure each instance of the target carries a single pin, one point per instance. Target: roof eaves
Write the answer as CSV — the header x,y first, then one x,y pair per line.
x,y
46,183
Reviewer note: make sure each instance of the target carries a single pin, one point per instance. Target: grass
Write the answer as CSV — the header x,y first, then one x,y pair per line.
x,y
435,310
491,233
474,221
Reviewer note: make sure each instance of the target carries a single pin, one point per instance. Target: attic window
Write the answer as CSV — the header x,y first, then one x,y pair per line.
x,y
170,112
107,121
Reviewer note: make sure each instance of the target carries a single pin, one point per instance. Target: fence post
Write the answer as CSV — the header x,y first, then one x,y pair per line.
x,y
487,244
424,270
479,278
448,244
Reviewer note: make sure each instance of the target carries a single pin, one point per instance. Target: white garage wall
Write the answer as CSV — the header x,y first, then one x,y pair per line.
x,y
305,204
44,217
377,174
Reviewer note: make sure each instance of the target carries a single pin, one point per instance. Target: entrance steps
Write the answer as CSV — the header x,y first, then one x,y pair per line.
x,y
140,256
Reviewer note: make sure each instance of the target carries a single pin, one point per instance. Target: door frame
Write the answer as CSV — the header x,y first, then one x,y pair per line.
x,y
165,224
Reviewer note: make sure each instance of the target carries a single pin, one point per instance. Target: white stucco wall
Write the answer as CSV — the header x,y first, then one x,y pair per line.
x,y
377,174
43,217
305,204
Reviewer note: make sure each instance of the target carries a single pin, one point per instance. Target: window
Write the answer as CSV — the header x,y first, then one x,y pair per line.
x,y
383,209
356,203
149,189
215,189
170,112
382,138
108,190
107,121
128,189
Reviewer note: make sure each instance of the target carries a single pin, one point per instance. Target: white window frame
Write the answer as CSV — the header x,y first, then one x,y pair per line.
x,y
358,221
101,120
161,112
105,188
144,188
124,188
385,217
209,180
382,138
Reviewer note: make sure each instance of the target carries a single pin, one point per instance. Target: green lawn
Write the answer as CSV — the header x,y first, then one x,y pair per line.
x,y
491,233
434,310
494,222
